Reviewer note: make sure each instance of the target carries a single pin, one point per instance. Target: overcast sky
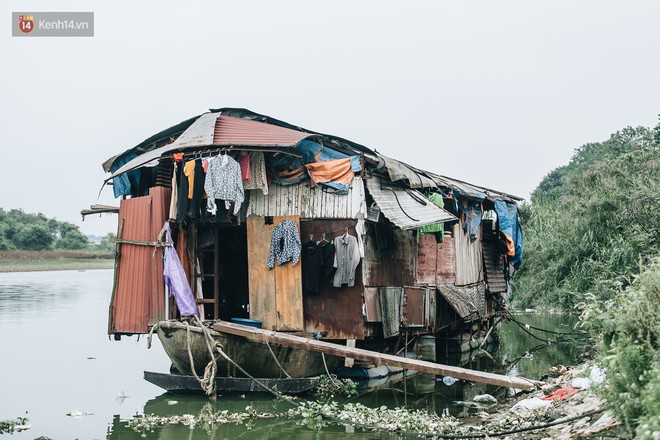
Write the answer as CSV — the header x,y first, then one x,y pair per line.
x,y
497,93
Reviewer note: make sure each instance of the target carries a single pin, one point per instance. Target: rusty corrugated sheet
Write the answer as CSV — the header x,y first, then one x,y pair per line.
x,y
199,134
160,208
398,170
334,312
493,263
244,132
468,302
418,308
389,255
308,202
426,264
139,297
446,261
402,206
469,260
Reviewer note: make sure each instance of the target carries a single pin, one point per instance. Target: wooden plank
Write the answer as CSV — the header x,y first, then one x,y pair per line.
x,y
348,362
288,340
261,281
288,290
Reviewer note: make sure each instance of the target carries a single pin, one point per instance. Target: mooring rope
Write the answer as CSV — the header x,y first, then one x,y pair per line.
x,y
277,362
207,382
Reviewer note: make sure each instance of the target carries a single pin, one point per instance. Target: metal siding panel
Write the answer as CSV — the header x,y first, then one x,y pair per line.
x,y
426,265
244,132
130,306
200,133
308,203
469,258
160,211
393,266
400,207
413,307
334,312
446,261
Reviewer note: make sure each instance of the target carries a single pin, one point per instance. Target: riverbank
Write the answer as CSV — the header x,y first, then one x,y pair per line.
x,y
25,261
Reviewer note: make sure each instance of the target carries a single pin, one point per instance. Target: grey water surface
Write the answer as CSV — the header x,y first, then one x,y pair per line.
x,y
56,358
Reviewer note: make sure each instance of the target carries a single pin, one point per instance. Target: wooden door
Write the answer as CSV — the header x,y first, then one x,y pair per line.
x,y
276,294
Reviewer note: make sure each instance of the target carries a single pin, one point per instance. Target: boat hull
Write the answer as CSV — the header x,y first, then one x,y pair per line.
x,y
181,341
182,384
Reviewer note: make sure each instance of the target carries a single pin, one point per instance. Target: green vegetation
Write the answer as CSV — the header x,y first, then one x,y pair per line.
x,y
35,232
593,226
592,222
33,242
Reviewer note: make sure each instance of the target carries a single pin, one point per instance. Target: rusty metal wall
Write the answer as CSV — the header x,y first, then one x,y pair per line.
x,y
418,307
493,261
138,299
469,260
335,312
446,261
308,202
393,266
244,132
426,266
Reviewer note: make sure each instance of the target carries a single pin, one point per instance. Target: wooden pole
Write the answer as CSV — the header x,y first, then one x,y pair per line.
x,y
288,340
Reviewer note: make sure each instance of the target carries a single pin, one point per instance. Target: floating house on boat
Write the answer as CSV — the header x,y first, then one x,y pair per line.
x,y
306,233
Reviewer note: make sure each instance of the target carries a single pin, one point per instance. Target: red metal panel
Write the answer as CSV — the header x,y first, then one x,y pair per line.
x,y
237,132
446,261
427,257
159,212
413,307
139,295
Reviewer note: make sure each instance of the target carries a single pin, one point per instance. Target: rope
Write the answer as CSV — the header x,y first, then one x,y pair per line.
x,y
207,382
334,381
151,333
277,362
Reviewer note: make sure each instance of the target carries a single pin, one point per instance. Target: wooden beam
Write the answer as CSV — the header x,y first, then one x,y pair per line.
x,y
284,339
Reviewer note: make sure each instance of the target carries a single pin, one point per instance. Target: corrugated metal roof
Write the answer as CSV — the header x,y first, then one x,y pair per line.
x,y
212,129
469,259
401,206
200,133
467,301
232,131
398,170
308,202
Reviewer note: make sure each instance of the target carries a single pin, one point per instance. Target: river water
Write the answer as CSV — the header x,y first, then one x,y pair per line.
x,y
56,358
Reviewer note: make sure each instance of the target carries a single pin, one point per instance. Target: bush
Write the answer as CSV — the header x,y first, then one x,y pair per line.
x,y
630,352
33,238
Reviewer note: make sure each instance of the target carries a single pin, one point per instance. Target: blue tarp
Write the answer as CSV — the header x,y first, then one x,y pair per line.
x,y
507,217
127,183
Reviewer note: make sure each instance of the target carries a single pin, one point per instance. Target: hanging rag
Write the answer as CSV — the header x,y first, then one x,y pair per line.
x,y
258,179
175,278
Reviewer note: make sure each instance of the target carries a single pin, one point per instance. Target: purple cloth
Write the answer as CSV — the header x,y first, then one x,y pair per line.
x,y
175,278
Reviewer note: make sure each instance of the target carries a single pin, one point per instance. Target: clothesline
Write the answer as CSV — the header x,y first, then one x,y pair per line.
x,y
218,150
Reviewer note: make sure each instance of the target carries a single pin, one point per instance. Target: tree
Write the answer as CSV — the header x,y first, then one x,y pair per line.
x,y
73,239
33,238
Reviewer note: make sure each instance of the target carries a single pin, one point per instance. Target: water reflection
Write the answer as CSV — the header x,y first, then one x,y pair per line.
x,y
58,358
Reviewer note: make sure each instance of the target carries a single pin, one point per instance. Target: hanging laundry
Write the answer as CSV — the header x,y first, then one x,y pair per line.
x,y
182,197
312,266
175,278
258,179
348,258
244,162
284,244
174,201
224,182
329,267
164,173
198,191
472,213
437,228
125,184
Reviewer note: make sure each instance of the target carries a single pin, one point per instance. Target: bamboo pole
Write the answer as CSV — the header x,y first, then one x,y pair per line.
x,y
285,339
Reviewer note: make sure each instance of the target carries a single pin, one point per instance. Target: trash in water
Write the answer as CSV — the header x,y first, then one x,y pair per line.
x,y
484,398
76,413
449,381
172,402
